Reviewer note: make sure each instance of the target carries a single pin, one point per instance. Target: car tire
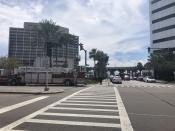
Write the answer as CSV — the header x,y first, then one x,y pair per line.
x,y
13,82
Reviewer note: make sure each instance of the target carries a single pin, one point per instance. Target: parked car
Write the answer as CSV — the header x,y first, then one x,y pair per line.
x,y
111,77
134,78
126,77
149,79
140,78
117,80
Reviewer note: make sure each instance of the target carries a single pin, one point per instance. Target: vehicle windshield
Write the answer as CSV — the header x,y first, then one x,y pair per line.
x,y
150,77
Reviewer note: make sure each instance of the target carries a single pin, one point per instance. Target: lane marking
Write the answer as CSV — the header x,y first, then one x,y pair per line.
x,y
89,102
88,105
124,118
15,106
80,115
78,123
83,109
24,119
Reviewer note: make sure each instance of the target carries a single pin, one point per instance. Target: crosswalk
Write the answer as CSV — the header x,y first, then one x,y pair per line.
x,y
95,108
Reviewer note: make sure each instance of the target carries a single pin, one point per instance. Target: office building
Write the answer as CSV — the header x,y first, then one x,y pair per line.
x,y
162,23
27,46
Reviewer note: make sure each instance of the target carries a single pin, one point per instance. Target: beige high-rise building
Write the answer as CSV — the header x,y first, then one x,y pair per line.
x,y
28,48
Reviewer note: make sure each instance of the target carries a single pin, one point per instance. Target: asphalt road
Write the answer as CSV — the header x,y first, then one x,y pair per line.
x,y
150,106
9,101
131,106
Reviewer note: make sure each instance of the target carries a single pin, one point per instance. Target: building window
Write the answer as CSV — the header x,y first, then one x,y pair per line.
x,y
163,29
155,1
164,39
163,8
163,18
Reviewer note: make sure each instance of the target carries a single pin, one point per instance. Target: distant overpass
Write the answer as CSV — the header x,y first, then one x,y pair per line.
x,y
120,69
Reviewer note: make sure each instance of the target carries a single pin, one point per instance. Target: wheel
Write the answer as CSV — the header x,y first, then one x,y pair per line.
x,y
13,82
67,83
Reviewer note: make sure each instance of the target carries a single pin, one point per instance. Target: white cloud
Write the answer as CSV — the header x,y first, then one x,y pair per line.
x,y
113,26
125,62
14,16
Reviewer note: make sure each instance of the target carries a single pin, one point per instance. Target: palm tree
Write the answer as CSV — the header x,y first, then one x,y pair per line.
x,y
102,61
148,65
92,55
66,39
140,67
50,34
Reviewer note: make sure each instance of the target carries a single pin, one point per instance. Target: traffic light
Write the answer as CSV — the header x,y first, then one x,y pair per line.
x,y
81,47
149,49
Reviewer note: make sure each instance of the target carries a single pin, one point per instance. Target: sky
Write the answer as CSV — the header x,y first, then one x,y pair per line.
x,y
120,28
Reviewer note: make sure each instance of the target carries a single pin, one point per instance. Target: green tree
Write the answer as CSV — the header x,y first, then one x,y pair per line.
x,y
163,64
92,55
140,67
66,39
50,34
148,66
8,63
101,66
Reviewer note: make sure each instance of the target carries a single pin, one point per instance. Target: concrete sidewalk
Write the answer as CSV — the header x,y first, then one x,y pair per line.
x,y
29,90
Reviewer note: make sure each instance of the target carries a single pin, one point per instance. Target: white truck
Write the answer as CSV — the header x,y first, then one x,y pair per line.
x,y
41,75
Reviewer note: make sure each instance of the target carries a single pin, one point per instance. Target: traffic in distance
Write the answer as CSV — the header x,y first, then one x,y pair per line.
x,y
117,79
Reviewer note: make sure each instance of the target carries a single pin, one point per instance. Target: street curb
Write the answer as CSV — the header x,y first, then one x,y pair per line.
x,y
34,93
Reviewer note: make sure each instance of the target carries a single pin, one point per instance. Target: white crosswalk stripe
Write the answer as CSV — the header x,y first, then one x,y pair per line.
x,y
79,123
95,101
98,104
81,115
88,105
104,99
83,109
18,105
94,97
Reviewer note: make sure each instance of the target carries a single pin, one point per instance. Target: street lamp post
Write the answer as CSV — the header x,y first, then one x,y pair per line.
x,y
46,85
